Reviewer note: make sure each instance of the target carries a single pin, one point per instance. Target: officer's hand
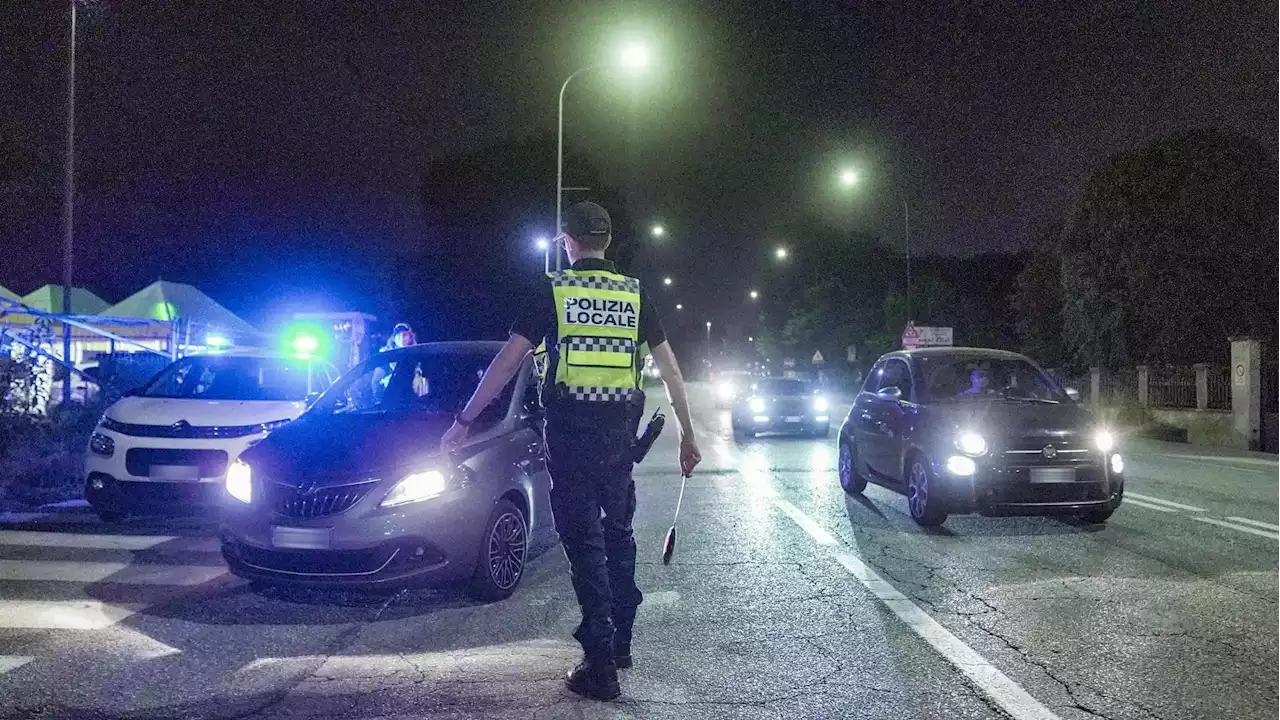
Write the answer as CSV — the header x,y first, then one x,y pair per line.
x,y
453,438
689,455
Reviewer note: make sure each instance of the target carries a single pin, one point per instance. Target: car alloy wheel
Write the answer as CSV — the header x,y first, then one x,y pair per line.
x,y
847,469
507,550
925,508
503,554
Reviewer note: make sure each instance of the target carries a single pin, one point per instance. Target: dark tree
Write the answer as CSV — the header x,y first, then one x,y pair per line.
x,y
1171,251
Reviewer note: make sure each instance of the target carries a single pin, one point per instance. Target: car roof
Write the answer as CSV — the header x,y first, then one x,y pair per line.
x,y
958,352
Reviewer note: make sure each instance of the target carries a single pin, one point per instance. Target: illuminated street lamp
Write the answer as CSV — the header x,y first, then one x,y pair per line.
x,y
847,179
755,295
679,306
658,231
667,281
781,253
632,57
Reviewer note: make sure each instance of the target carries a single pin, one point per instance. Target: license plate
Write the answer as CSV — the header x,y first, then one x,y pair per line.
x,y
1053,475
300,538
190,473
792,419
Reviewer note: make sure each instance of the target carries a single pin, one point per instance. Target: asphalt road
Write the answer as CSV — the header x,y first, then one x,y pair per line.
x,y
786,599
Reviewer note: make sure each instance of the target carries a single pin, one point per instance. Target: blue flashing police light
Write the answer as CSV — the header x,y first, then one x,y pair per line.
x,y
305,345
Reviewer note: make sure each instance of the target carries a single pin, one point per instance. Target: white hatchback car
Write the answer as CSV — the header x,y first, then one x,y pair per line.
x,y
165,448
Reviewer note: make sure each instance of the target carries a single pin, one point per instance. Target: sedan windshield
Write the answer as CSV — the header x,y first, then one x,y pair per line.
x,y
782,386
231,378
978,378
430,381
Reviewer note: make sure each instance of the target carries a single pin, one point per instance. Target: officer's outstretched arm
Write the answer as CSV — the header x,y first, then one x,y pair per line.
x,y
496,377
679,399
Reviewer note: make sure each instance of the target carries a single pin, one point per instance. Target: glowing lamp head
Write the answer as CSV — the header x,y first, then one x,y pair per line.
x,y
848,178
634,56
305,344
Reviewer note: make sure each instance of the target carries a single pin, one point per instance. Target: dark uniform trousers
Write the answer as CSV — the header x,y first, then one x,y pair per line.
x,y
590,464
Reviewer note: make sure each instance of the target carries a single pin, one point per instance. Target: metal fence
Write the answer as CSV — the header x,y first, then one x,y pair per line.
x,y
1219,388
1120,388
1171,387
1075,380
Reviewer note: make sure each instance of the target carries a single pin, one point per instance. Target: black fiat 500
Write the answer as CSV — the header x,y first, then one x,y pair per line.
x,y
962,430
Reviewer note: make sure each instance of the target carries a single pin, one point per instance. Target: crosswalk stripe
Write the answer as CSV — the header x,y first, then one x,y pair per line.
x,y
1259,523
74,540
62,614
13,662
1170,503
1240,528
122,573
1149,506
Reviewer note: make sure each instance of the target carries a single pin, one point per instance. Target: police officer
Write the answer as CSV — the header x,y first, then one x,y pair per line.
x,y
596,324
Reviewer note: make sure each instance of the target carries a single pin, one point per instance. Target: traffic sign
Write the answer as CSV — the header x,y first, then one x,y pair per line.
x,y
789,363
817,358
910,337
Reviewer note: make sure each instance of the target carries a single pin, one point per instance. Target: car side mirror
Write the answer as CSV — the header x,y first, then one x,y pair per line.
x,y
891,393
1073,393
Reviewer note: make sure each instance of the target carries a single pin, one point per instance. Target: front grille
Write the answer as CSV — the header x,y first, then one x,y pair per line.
x,y
212,463
311,562
293,502
183,431
1030,451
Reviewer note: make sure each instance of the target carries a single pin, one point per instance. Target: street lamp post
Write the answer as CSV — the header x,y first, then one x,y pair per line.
x,y
633,56
848,178
68,206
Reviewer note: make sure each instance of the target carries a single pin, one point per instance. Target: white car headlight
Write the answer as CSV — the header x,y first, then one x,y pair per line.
x,y
726,390
415,488
756,404
1105,441
820,404
240,481
971,443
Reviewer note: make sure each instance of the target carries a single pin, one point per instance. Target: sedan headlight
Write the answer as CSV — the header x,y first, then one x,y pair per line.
x,y
820,404
415,488
971,443
102,445
756,404
726,390
1105,441
240,481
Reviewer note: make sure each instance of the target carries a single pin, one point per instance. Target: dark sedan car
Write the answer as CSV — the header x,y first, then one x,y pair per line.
x,y
781,405
961,430
356,491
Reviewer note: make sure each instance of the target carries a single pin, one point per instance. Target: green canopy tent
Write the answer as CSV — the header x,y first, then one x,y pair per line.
x,y
197,315
49,299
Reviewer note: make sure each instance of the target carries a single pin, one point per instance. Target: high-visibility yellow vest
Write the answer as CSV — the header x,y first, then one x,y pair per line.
x,y
598,345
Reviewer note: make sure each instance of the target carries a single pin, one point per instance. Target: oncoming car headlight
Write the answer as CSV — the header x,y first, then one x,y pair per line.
x,y
240,481
415,488
756,404
820,404
971,443
1104,440
726,391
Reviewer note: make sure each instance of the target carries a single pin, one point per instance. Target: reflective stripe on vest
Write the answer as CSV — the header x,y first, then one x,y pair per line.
x,y
598,329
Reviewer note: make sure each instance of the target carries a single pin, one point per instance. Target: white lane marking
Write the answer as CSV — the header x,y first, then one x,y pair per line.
x,y
1220,459
1241,528
1170,503
118,573
13,662
1151,506
1259,523
62,614
76,540
1005,692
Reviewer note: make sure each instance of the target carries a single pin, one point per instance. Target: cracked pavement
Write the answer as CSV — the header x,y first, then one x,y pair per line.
x,y
1153,616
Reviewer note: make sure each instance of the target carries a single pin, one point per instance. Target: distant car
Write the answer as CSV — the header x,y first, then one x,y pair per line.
x,y
781,405
963,430
165,448
730,386
357,493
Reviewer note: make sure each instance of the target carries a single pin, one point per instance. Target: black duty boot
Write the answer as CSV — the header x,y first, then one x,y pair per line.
x,y
621,653
596,681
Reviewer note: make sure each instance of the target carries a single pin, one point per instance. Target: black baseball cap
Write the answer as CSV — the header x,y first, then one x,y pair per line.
x,y
586,218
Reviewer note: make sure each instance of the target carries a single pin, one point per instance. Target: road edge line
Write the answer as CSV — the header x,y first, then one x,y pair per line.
x,y
1170,503
1240,528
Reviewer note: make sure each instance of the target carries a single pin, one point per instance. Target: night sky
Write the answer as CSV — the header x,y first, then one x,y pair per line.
x,y
271,153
